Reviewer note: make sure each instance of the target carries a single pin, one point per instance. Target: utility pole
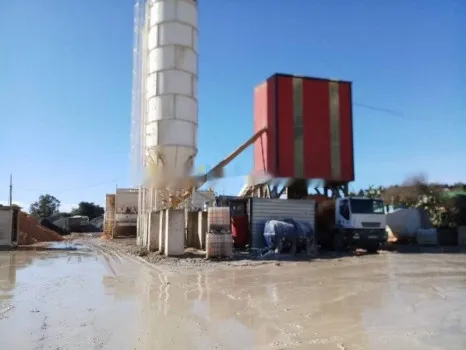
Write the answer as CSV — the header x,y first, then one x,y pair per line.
x,y
10,202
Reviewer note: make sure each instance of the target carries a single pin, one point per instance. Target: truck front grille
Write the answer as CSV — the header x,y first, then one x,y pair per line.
x,y
370,224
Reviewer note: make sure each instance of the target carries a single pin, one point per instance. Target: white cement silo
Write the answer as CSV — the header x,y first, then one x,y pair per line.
x,y
171,110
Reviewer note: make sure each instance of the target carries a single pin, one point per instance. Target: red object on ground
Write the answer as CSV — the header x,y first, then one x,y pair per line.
x,y
309,128
240,230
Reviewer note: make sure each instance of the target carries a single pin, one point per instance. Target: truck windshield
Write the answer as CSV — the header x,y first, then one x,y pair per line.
x,y
367,206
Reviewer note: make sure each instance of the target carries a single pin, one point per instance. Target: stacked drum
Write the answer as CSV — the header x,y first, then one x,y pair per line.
x,y
219,242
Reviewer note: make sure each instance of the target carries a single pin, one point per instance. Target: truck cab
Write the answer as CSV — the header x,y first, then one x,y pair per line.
x,y
359,222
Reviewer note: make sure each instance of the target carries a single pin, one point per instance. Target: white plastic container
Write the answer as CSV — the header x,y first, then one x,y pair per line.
x,y
227,246
214,245
218,218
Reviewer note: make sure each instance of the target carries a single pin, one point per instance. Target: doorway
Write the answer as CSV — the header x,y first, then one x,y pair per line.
x,y
14,225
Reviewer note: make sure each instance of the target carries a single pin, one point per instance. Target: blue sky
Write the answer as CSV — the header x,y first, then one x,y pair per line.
x,y
65,86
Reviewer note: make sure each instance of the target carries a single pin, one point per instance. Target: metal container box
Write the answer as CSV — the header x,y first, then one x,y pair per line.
x,y
263,209
427,236
462,235
309,128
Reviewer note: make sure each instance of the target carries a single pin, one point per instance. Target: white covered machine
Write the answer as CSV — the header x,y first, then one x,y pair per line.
x,y
404,223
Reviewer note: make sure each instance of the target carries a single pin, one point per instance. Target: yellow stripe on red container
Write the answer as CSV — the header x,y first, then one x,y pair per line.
x,y
335,157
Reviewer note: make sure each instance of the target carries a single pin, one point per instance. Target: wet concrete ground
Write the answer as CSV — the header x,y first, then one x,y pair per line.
x,y
91,298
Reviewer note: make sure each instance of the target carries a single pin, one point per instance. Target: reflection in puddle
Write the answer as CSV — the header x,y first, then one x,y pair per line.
x,y
111,301
64,246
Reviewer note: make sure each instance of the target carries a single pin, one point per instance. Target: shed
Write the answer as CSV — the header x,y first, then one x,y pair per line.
x,y
9,225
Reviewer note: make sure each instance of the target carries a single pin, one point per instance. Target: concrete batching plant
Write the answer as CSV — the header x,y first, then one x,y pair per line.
x,y
303,132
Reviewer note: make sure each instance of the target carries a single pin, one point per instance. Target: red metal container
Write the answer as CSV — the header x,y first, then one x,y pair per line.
x,y
309,125
239,223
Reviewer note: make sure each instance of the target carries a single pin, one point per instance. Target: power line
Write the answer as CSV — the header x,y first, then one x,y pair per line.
x,y
379,109
74,188
397,113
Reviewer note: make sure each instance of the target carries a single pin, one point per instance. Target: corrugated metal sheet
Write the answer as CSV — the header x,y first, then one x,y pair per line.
x,y
263,209
309,128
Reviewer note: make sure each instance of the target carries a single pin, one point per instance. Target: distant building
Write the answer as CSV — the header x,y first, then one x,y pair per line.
x,y
224,201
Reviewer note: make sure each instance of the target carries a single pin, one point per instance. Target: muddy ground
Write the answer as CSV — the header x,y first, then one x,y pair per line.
x,y
195,259
96,296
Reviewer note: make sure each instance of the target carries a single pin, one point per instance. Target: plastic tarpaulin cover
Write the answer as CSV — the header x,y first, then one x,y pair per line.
x,y
303,229
275,230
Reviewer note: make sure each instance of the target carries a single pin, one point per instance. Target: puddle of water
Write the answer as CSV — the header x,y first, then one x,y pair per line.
x,y
64,246
85,299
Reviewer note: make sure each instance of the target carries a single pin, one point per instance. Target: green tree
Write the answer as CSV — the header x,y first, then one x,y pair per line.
x,y
47,205
89,209
371,192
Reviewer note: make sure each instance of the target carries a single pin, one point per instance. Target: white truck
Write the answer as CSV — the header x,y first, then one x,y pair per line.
x,y
351,222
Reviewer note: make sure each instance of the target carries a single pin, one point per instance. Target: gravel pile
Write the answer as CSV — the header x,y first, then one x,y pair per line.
x,y
31,231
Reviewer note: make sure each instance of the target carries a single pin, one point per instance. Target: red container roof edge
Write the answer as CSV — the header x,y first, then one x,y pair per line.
x,y
284,75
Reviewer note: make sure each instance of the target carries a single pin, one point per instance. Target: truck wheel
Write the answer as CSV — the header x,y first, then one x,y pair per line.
x,y
338,242
372,248
326,244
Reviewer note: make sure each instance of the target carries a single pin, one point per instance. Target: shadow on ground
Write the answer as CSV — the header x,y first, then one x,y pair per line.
x,y
421,249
